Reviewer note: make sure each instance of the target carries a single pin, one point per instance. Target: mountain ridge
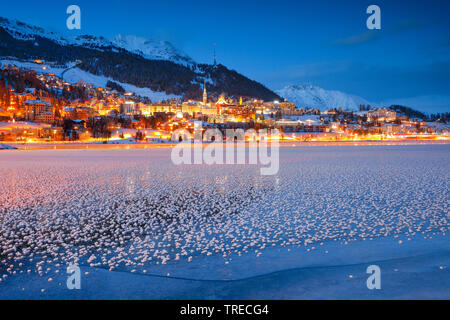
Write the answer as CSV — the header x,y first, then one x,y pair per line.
x,y
102,57
322,99
152,49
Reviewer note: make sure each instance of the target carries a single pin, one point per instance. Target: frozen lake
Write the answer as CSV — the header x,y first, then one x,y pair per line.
x,y
143,228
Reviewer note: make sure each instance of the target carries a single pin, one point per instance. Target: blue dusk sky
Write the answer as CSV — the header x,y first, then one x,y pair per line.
x,y
322,42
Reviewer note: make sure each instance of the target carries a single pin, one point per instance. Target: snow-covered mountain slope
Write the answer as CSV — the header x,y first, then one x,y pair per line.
x,y
22,31
74,75
147,48
315,97
92,42
129,60
152,49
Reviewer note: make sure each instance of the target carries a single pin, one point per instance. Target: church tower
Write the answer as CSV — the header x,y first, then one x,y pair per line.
x,y
205,95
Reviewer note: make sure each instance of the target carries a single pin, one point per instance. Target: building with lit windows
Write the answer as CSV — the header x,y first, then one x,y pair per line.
x,y
39,111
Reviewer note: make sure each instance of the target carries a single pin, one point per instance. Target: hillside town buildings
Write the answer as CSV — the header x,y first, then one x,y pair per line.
x,y
104,113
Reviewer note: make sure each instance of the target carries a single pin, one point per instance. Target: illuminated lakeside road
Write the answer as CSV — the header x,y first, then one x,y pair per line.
x,y
65,145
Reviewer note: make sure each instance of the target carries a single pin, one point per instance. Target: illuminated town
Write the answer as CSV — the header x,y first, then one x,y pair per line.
x,y
111,115
228,151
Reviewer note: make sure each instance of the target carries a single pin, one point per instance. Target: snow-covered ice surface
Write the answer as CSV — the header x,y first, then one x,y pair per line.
x,y
141,227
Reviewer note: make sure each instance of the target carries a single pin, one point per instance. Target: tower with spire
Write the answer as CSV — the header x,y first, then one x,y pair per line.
x,y
205,95
215,60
